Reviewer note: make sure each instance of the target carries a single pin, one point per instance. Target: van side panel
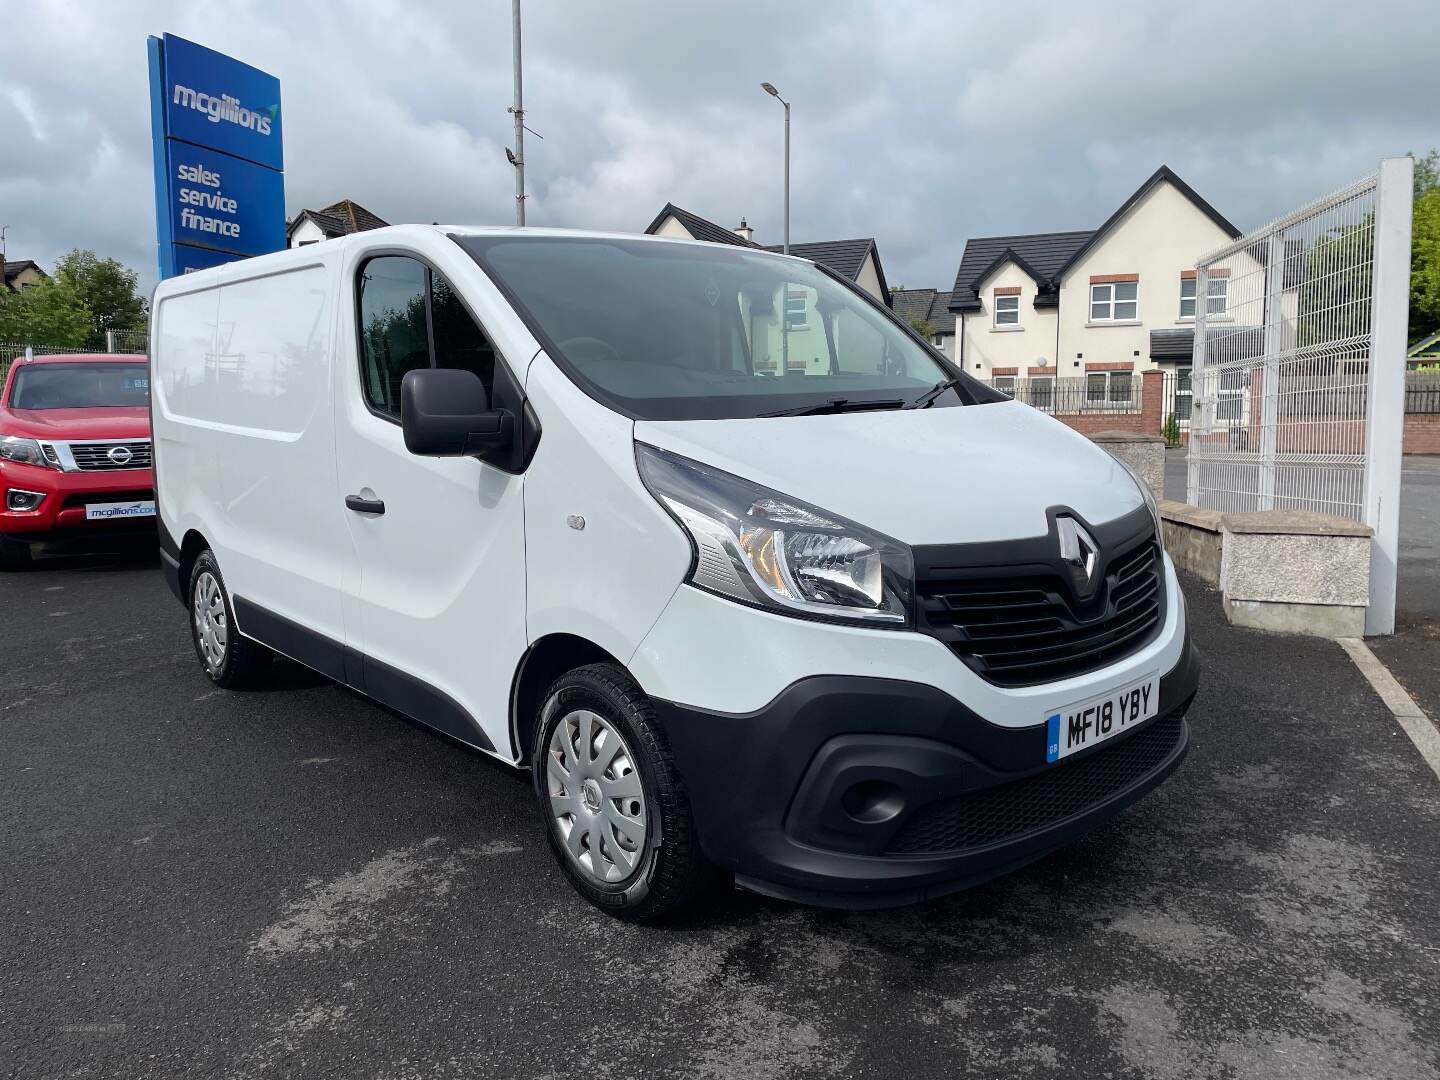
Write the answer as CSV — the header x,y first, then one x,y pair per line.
x,y
253,414
608,579
187,480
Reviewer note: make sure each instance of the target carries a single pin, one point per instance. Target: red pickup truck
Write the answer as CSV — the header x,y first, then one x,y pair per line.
x,y
75,462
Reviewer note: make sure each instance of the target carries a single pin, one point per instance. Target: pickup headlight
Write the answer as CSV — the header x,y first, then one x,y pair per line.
x,y
24,452
763,548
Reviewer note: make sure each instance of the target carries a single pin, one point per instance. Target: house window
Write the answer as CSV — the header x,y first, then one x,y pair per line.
x,y
796,308
1217,291
1007,311
1114,302
1005,384
1230,401
1107,389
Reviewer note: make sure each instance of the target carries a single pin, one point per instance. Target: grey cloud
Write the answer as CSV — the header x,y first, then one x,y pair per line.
x,y
920,124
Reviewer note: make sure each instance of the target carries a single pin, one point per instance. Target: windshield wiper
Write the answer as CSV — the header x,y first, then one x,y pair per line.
x,y
928,398
837,405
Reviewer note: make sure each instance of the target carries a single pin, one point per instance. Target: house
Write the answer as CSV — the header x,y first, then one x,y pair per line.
x,y
929,307
1095,304
857,260
22,274
337,219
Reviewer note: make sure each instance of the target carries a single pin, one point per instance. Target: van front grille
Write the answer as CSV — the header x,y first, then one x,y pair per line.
x,y
1066,790
1030,628
109,456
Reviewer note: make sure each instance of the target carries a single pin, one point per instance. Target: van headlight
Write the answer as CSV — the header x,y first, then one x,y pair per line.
x,y
760,547
1150,503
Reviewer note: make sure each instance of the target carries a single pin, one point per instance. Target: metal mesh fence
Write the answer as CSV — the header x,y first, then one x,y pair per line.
x,y
10,351
1282,353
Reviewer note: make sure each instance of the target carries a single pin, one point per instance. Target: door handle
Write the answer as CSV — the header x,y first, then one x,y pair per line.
x,y
364,506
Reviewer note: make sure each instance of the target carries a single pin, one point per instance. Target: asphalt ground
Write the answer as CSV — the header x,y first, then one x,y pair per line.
x,y
295,882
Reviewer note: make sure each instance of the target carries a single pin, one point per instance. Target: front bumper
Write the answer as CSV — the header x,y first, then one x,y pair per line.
x,y
61,512
849,791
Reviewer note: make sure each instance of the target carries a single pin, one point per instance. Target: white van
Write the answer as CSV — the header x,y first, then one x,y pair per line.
x,y
746,573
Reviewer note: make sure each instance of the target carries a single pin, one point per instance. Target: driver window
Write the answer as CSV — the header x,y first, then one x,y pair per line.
x,y
411,317
393,335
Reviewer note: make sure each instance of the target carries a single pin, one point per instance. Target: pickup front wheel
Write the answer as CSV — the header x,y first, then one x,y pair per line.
x,y
14,554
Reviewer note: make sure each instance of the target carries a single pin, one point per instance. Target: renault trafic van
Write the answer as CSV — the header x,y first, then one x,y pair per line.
x,y
744,572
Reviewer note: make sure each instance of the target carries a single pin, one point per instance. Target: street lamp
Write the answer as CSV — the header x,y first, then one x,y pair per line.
x,y
770,89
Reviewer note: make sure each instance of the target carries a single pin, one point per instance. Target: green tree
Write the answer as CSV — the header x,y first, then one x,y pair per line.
x,y
1425,266
107,289
1427,174
921,327
49,314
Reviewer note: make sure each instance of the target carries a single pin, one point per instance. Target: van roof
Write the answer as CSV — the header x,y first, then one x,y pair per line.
x,y
289,258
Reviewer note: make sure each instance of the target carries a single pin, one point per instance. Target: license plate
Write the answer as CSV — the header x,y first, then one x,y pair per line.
x,y
1078,726
116,510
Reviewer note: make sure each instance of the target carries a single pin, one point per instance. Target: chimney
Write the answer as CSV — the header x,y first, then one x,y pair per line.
x,y
745,232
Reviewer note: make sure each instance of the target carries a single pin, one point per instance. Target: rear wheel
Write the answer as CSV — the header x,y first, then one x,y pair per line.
x,y
14,554
615,808
230,659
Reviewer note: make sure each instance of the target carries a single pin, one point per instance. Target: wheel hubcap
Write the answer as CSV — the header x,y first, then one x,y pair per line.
x,y
208,612
596,798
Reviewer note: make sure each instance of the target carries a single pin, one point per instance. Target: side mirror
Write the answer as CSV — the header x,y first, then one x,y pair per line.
x,y
445,412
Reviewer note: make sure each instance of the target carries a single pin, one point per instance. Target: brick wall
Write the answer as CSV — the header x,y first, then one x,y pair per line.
x,y
1422,433
1145,422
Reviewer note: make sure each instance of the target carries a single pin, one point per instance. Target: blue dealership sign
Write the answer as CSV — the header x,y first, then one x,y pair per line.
x,y
216,101
223,202
216,126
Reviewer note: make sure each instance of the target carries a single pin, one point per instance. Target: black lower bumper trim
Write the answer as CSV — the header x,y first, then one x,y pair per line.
x,y
857,792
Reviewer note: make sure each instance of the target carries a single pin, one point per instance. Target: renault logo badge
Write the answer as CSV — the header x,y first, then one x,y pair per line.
x,y
1079,551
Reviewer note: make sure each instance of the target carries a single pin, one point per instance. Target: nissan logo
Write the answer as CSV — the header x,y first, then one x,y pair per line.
x,y
120,455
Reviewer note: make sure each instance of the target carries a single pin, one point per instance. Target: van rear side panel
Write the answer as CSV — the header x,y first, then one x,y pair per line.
x,y
244,428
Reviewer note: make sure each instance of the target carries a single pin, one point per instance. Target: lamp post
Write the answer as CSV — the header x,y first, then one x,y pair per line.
x,y
770,89
518,158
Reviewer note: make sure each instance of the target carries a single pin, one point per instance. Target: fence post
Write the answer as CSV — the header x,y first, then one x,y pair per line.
x,y
1270,387
1385,433
109,341
1199,401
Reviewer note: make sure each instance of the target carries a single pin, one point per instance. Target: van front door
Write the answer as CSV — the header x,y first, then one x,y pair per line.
x,y
435,621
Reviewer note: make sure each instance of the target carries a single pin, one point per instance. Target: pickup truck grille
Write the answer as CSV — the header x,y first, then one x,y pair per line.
x,y
111,456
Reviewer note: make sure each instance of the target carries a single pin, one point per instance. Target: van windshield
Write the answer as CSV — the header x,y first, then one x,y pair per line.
x,y
80,386
664,331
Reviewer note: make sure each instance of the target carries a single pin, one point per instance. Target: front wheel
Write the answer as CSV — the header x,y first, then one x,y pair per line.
x,y
615,807
230,659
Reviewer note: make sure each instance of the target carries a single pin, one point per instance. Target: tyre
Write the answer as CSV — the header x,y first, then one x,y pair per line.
x,y
230,659
615,807
14,554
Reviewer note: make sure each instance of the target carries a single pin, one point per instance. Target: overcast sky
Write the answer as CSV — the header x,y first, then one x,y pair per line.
x,y
917,123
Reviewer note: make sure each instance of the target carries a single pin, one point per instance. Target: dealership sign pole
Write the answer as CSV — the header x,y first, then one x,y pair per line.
x,y
219,164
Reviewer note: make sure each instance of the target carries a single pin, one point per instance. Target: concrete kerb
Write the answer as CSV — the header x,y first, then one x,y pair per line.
x,y
1287,571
